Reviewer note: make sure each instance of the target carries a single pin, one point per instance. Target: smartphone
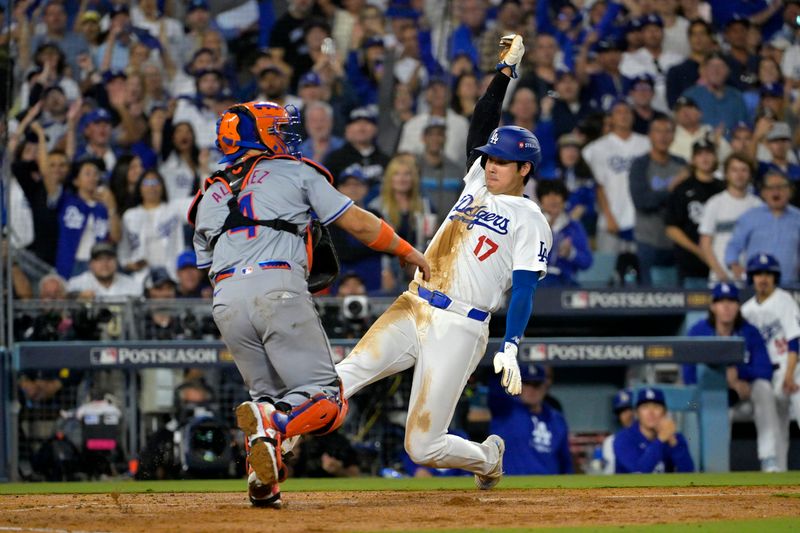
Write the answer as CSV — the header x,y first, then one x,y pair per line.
x,y
328,46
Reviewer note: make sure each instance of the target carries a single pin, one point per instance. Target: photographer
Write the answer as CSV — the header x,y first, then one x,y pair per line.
x,y
351,318
193,443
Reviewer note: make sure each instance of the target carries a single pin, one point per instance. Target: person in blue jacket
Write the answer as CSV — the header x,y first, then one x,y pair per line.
x,y
536,435
750,380
652,444
570,251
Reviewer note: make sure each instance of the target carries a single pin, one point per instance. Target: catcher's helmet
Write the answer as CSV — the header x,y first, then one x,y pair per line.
x,y
514,143
259,126
763,262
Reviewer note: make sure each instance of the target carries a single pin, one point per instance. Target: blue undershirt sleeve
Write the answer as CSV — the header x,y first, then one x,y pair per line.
x,y
520,306
794,344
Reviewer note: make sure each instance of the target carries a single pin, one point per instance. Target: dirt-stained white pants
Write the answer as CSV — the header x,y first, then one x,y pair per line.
x,y
444,348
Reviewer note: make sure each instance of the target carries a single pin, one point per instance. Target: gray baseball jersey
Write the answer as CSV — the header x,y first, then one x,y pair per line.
x,y
261,301
280,188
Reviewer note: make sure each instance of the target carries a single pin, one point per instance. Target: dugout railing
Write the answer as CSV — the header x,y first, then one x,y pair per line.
x,y
121,361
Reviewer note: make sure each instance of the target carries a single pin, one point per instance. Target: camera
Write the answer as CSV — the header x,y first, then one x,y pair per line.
x,y
355,307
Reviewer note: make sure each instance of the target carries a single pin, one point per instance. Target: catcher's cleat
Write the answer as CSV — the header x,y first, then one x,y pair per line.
x,y
266,464
262,495
263,441
487,481
254,419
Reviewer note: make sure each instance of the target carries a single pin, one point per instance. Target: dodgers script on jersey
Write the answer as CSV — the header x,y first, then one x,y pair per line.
x,y
777,319
286,187
485,238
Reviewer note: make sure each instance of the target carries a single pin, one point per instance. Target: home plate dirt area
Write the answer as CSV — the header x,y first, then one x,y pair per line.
x,y
395,510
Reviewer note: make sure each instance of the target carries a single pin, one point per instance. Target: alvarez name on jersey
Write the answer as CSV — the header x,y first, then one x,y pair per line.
x,y
484,238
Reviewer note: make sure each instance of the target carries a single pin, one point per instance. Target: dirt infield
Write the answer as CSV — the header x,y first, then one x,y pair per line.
x,y
395,510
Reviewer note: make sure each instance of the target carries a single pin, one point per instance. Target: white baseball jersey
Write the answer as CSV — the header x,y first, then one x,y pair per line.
x,y
154,235
778,320
641,62
122,286
719,218
610,159
179,177
484,239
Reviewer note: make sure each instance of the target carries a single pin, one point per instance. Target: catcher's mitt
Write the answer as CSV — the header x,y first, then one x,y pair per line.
x,y
325,263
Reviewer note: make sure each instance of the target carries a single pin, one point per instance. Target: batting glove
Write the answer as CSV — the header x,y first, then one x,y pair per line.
x,y
511,52
507,362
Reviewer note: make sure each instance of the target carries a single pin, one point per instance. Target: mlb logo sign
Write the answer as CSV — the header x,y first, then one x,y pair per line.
x,y
538,352
575,300
247,270
104,356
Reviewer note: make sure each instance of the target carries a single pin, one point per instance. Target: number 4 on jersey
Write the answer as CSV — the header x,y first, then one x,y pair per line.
x,y
246,207
490,245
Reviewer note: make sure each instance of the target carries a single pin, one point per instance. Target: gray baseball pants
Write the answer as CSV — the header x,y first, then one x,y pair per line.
x,y
270,325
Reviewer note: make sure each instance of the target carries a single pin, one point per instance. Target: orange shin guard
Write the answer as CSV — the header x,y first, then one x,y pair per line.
x,y
319,415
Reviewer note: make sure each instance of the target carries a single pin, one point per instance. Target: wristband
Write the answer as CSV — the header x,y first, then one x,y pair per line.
x,y
403,248
384,240
500,66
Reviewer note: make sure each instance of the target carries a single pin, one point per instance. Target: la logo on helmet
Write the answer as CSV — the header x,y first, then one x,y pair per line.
x,y
494,138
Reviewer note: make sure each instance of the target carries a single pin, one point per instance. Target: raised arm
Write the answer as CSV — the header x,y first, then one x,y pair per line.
x,y
486,116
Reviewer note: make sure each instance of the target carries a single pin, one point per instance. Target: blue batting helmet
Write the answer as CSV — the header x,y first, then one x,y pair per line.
x,y
514,143
763,262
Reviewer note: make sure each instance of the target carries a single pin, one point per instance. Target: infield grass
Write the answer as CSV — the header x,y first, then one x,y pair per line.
x,y
449,483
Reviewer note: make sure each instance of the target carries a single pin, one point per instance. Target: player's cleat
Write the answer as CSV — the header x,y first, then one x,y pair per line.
x,y
262,495
770,464
265,462
263,442
254,418
487,481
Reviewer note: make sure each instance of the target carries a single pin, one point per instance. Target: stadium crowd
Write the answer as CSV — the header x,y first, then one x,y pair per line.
x,y
669,131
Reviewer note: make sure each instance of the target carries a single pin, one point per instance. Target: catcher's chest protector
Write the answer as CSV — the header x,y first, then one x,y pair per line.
x,y
323,262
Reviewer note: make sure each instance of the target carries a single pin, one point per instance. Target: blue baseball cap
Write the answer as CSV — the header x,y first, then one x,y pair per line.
x,y
363,113
109,75
310,79
622,400
95,115
401,9
533,373
653,19
608,45
772,89
196,4
375,40
738,19
187,259
724,291
650,395
353,171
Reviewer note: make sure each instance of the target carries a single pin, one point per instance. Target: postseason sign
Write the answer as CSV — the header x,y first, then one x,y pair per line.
x,y
154,356
609,302
597,352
